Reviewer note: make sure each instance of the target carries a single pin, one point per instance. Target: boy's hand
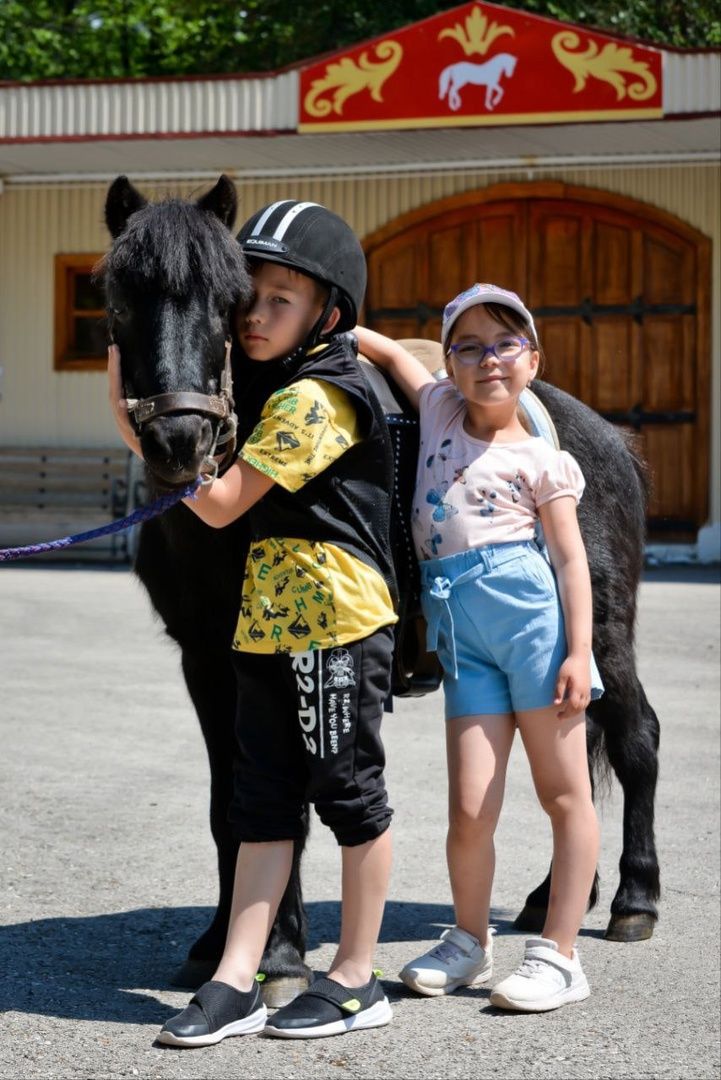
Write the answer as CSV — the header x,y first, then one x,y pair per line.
x,y
573,687
118,404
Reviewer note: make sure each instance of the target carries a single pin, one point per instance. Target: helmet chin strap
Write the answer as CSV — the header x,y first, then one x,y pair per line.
x,y
316,332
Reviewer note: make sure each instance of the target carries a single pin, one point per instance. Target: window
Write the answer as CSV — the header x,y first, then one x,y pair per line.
x,y
81,337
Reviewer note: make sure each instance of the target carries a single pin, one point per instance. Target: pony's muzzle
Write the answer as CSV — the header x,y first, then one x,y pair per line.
x,y
175,447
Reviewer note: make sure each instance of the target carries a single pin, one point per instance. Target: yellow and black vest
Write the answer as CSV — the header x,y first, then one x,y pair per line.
x,y
349,503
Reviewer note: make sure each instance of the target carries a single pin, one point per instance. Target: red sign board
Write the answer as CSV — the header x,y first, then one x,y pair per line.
x,y
481,64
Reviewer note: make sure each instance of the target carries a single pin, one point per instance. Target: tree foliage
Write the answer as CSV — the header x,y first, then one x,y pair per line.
x,y
57,39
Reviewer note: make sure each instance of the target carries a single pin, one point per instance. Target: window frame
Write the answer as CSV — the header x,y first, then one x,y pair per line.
x,y
68,266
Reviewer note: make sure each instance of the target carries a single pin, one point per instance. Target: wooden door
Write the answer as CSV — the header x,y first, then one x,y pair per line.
x,y
619,292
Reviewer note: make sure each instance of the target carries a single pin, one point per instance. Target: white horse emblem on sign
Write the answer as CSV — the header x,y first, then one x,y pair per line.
x,y
456,76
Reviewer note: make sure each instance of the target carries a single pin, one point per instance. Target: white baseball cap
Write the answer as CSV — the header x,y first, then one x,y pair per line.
x,y
481,293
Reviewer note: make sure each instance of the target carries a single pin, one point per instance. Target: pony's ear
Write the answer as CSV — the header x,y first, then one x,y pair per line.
x,y
121,201
222,201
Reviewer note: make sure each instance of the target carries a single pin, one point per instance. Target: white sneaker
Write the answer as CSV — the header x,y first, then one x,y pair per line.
x,y
458,960
545,980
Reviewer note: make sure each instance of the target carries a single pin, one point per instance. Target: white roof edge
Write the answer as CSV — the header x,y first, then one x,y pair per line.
x,y
202,106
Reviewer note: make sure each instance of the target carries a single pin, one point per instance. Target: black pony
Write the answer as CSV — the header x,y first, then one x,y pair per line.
x,y
172,276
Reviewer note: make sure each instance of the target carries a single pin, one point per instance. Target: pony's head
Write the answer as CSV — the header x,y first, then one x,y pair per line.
x,y
172,276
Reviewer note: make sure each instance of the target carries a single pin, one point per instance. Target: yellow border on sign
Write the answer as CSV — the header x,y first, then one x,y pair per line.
x,y
484,120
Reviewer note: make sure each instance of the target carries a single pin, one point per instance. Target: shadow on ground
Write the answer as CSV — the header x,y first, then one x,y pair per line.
x,y
86,968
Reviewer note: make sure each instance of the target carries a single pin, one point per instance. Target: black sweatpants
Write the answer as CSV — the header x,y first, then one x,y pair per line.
x,y
308,730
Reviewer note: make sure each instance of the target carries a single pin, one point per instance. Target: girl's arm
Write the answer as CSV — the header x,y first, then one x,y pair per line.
x,y
409,373
217,504
568,556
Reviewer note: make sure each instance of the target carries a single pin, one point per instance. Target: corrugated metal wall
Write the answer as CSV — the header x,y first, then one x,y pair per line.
x,y
152,106
39,406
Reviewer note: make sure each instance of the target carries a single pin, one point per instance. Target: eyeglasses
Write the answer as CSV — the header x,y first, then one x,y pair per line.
x,y
471,352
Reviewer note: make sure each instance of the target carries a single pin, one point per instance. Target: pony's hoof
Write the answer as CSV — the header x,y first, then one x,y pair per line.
x,y
638,927
280,990
530,920
193,973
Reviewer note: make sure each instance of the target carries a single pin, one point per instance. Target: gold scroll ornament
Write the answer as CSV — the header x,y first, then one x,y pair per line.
x,y
607,65
346,77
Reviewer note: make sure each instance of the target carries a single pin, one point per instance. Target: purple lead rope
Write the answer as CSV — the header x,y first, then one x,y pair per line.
x,y
143,513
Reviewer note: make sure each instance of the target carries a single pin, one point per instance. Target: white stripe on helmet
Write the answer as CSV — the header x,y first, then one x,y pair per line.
x,y
290,217
266,214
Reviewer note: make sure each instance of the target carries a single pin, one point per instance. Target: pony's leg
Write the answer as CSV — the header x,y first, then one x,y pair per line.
x,y
532,917
211,684
631,732
212,687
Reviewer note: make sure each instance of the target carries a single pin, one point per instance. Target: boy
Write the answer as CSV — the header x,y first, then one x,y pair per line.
x,y
314,640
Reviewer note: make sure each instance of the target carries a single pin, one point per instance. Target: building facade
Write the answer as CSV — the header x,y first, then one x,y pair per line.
x,y
598,202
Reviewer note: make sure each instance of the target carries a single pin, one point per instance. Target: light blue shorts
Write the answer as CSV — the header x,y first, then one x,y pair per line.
x,y
495,619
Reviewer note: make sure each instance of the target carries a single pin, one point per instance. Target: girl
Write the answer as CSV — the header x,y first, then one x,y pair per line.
x,y
514,640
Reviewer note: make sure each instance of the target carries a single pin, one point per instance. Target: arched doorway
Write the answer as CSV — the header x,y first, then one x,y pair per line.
x,y
620,292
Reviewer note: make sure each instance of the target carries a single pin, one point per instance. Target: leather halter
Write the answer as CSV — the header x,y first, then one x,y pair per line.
x,y
220,405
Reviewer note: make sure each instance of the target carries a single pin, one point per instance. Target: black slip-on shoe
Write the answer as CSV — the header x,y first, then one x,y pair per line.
x,y
215,1012
327,1008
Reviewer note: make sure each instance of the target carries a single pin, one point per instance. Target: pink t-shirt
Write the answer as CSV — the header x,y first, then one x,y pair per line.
x,y
470,493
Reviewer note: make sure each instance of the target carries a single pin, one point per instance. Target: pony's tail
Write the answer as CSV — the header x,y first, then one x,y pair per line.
x,y
443,83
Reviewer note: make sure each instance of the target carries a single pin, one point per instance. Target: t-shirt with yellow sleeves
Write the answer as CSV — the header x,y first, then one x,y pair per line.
x,y
301,594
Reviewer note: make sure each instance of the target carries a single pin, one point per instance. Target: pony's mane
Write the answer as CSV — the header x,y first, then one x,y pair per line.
x,y
178,248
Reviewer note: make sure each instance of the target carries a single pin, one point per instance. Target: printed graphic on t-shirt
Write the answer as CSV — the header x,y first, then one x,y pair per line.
x,y
470,493
301,595
302,430
287,602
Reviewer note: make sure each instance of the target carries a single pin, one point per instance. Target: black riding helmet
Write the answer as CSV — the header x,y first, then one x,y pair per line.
x,y
307,237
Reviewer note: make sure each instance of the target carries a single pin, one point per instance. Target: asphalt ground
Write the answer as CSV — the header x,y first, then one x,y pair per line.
x,y
108,867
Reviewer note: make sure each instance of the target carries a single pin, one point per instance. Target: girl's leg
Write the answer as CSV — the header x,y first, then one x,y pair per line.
x,y
556,752
366,873
477,751
261,875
